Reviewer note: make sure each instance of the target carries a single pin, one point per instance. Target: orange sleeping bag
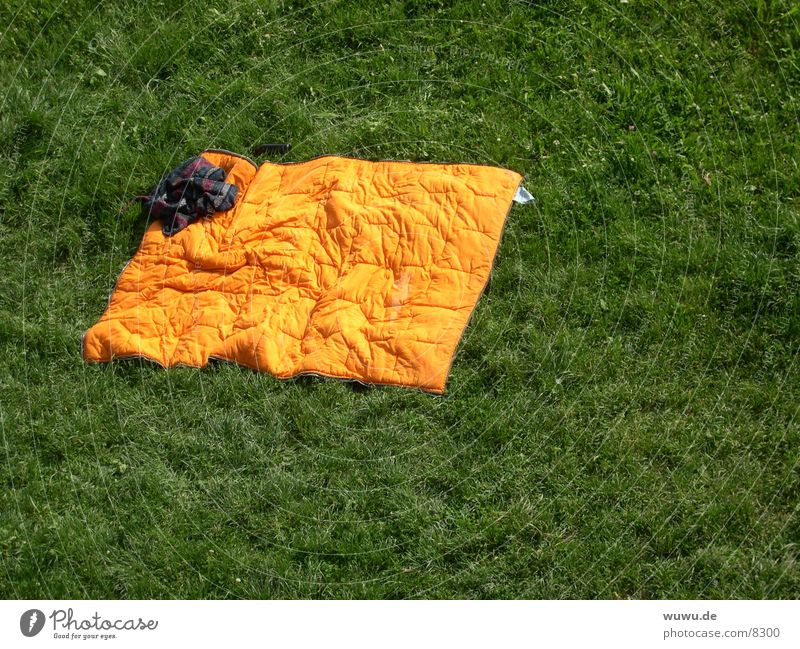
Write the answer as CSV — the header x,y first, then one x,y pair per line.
x,y
336,266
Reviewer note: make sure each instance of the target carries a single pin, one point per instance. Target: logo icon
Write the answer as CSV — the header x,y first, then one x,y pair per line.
x,y
31,622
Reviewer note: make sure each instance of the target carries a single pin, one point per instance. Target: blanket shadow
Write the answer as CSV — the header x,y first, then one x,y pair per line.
x,y
309,380
131,367
137,226
312,380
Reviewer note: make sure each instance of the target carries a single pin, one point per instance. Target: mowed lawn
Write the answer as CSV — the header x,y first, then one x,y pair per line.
x,y
621,419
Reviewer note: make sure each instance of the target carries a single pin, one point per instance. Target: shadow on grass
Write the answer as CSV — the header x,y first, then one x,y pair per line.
x,y
134,366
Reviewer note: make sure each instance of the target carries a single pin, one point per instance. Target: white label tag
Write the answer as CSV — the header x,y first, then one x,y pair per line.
x,y
523,196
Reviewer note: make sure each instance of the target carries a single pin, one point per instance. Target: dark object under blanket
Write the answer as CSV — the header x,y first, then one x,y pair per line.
x,y
194,189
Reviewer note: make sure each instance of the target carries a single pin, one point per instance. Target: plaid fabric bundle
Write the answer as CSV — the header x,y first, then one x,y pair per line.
x,y
194,189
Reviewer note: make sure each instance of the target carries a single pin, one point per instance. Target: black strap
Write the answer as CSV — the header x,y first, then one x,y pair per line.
x,y
261,149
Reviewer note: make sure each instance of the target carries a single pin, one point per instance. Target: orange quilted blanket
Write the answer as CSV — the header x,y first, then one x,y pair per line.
x,y
335,266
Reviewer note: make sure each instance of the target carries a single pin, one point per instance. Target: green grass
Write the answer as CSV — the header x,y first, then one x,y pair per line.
x,y
622,415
